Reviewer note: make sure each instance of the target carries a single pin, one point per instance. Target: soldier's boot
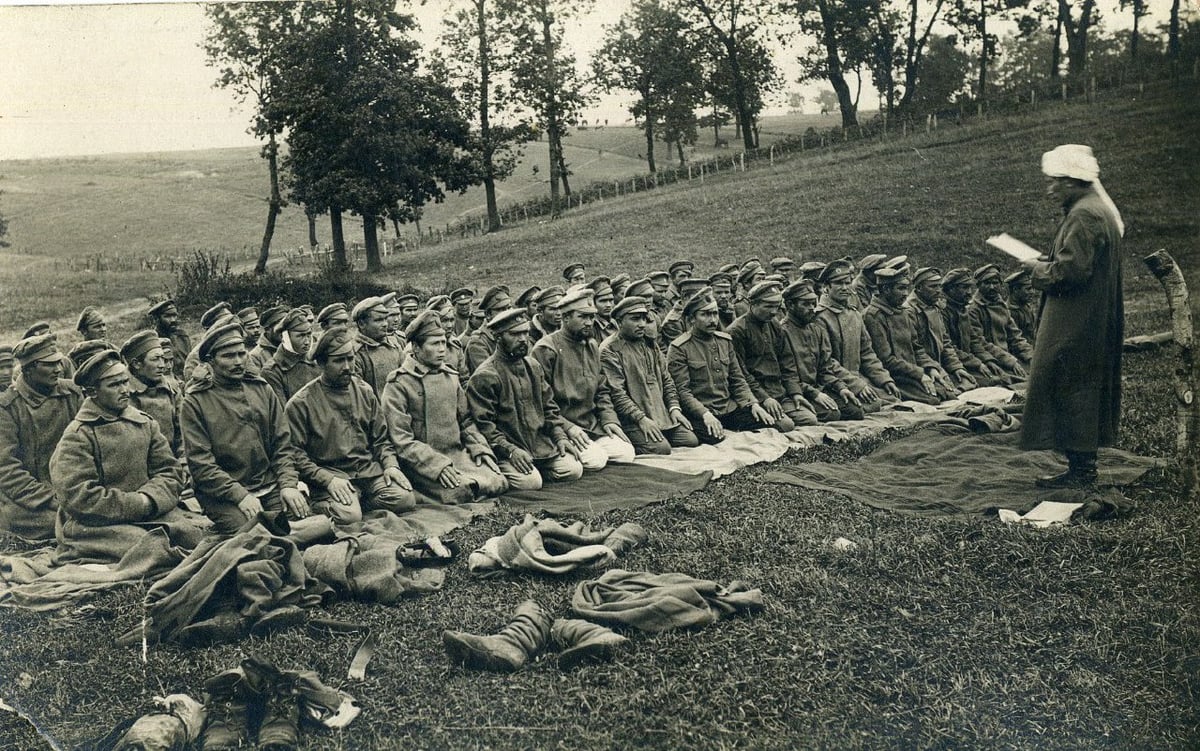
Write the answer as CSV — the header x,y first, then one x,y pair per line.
x,y
522,639
229,697
1081,472
280,727
584,642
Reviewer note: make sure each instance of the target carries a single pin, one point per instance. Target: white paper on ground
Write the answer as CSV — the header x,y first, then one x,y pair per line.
x,y
1045,514
1014,247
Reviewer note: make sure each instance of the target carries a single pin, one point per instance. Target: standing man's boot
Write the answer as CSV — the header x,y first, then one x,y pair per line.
x,y
583,641
1081,472
523,638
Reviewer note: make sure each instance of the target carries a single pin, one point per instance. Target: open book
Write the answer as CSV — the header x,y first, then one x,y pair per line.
x,y
1014,247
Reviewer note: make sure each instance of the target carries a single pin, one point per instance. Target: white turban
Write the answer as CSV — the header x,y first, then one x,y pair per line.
x,y
1077,161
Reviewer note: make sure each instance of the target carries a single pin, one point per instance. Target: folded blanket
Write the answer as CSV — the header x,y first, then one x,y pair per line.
x,y
549,547
661,602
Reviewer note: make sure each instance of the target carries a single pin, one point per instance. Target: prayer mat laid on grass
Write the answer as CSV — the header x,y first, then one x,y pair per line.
x,y
932,474
739,449
617,486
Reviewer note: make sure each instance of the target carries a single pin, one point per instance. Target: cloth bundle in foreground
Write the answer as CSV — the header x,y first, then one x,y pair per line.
x,y
661,602
549,547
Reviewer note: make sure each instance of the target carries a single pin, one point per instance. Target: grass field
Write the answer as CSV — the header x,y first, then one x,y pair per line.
x,y
65,212
934,634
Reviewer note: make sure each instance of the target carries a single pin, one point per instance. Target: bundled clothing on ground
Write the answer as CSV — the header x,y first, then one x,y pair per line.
x,y
30,425
661,602
116,478
233,583
368,568
546,546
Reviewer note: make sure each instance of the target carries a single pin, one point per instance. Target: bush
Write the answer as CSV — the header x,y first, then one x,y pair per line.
x,y
207,278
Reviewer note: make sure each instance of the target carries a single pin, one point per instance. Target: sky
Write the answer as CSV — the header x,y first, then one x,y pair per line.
x,y
96,78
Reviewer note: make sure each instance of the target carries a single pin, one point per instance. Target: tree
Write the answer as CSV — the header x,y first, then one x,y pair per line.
x,y
945,73
478,54
648,51
828,100
796,101
970,18
243,42
544,77
842,33
1139,9
367,132
732,26
1076,30
3,230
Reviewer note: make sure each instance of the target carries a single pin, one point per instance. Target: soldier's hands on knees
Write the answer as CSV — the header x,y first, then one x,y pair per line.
x,y
394,476
714,426
826,401
892,389
342,491
614,431
523,460
650,430
250,506
760,414
849,396
1018,371
450,477
567,446
680,418
773,408
294,503
867,394
927,385
579,438
486,460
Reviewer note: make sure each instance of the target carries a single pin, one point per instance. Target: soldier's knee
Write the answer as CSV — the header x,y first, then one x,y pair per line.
x,y
565,469
660,448
518,481
620,451
682,437
594,457
395,499
787,422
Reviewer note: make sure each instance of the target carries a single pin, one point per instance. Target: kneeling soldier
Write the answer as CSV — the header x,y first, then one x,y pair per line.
x,y
341,438
115,474
713,391
513,405
431,425
643,393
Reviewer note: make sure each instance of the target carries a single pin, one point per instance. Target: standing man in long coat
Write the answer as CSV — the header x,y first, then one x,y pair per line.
x,y
1074,399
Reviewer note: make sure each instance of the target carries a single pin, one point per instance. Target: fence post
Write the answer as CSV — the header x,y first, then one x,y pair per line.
x,y
772,155
1064,91
1033,97
702,172
742,159
928,123
935,121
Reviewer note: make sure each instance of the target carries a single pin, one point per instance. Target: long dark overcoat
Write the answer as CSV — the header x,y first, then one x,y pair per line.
x,y
1074,399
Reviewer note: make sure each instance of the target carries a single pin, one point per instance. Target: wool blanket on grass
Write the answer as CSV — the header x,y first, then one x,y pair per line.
x,y
932,474
661,602
32,581
617,486
544,546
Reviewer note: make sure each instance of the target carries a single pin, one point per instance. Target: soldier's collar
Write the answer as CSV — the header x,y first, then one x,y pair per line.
x,y
90,412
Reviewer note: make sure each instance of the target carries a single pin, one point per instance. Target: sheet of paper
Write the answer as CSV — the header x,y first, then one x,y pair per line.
x,y
1014,247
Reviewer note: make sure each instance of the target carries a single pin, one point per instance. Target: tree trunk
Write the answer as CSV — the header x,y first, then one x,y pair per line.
x,y
371,243
739,91
552,125
1133,38
485,126
1173,47
1056,49
1077,37
563,172
337,239
312,229
1187,366
679,149
983,51
273,205
649,128
833,62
